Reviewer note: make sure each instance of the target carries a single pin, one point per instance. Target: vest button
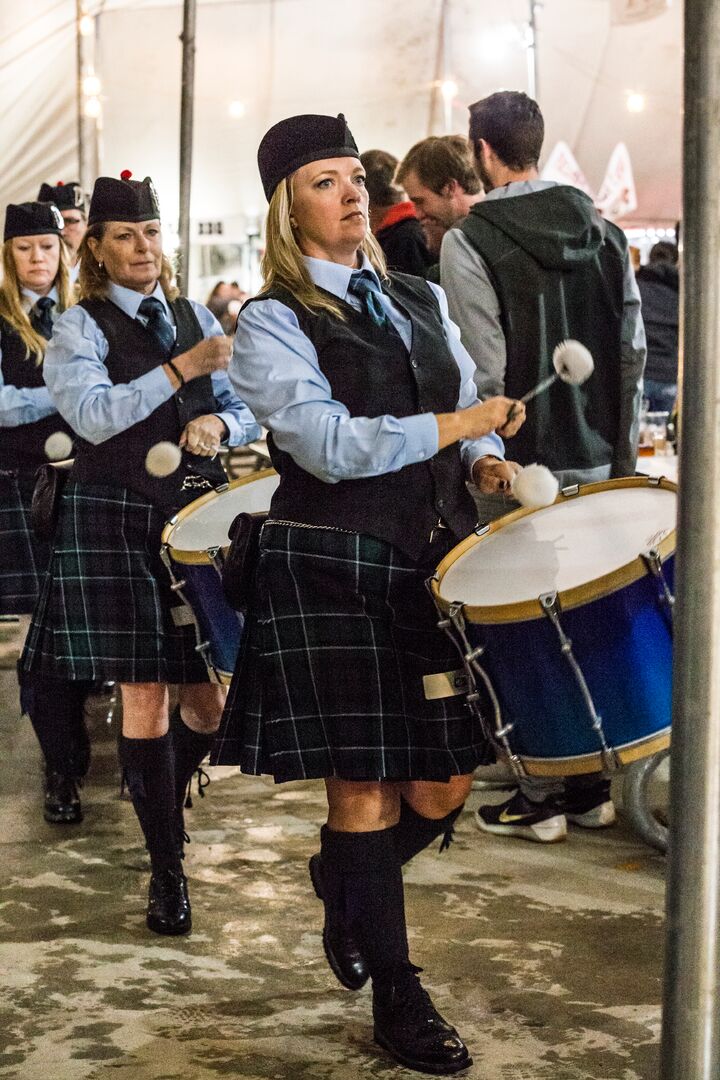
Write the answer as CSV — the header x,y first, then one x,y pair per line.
x,y
441,502
414,363
179,399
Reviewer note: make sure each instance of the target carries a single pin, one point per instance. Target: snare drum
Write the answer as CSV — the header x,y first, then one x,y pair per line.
x,y
193,550
565,615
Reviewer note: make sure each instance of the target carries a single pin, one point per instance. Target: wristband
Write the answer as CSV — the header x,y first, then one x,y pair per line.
x,y
176,372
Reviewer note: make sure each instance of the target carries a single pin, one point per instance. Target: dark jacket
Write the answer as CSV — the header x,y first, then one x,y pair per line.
x,y
557,268
659,285
402,240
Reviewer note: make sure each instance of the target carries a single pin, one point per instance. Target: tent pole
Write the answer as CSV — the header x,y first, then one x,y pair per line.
x,y
186,139
83,172
532,52
691,1022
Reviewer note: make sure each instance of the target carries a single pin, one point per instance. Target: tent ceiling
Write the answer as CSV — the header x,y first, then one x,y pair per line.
x,y
375,61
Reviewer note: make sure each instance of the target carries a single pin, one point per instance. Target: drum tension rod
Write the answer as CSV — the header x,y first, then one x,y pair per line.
x,y
653,564
550,604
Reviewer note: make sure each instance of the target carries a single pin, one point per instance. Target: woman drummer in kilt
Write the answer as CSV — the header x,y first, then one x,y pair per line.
x,y
132,365
374,426
35,290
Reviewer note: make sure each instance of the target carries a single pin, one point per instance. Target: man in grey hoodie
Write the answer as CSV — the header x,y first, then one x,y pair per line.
x,y
531,265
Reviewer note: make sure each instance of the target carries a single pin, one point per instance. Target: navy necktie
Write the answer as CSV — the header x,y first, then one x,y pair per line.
x,y
157,323
41,316
368,292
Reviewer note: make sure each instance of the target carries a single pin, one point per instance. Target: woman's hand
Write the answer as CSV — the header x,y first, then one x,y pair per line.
x,y
210,354
492,476
481,419
204,434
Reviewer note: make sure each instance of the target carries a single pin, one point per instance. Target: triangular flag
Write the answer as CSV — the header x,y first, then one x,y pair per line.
x,y
617,196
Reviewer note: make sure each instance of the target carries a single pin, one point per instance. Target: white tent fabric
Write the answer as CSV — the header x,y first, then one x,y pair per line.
x,y
374,60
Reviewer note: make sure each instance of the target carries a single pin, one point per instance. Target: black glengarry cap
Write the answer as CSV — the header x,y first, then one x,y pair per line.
x,y
123,199
297,141
68,196
32,219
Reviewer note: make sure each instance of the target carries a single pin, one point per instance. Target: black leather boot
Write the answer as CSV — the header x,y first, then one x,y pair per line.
x,y
62,801
168,910
150,777
409,1027
340,943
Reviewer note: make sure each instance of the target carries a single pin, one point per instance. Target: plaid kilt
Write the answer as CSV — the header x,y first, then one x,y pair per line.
x,y
105,609
330,682
23,558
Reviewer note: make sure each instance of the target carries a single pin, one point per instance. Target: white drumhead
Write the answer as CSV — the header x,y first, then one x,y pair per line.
x,y
560,547
207,525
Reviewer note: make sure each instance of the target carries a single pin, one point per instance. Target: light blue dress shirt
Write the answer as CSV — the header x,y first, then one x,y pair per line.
x,y
275,369
94,406
25,404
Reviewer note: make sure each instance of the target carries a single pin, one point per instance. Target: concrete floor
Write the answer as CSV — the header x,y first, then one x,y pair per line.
x,y
547,958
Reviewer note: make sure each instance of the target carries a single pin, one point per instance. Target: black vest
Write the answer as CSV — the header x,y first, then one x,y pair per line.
x,y
371,372
567,427
120,460
22,448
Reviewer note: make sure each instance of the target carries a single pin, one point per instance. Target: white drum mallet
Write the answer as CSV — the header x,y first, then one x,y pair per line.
x,y
573,364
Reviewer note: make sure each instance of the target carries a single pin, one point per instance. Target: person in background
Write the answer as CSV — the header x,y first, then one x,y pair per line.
x,y
531,265
35,291
392,217
130,366
659,284
439,177
72,204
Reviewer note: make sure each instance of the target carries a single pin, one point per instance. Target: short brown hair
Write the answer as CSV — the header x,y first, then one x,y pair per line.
x,y
380,169
438,160
512,124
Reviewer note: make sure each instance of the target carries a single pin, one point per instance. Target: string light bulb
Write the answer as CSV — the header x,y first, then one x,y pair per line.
x,y
91,86
92,108
635,103
448,89
86,25
236,109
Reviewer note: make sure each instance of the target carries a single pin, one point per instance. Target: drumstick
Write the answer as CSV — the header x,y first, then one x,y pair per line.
x,y
573,364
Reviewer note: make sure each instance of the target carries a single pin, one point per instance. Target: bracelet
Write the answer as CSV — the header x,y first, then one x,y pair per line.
x,y
176,372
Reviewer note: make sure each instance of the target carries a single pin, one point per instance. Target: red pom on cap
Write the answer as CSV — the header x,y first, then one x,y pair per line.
x,y
125,174
60,183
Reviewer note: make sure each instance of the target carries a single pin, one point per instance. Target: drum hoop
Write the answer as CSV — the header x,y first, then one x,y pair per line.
x,y
204,557
595,589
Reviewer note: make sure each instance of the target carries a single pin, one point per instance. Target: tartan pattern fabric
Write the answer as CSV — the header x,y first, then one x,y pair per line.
x,y
105,609
23,558
330,682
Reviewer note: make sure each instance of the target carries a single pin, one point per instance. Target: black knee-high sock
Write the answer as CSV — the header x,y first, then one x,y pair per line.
x,y
56,711
189,749
365,868
150,775
414,832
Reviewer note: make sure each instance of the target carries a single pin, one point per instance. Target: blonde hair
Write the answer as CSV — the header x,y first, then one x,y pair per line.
x,y
283,263
94,279
11,304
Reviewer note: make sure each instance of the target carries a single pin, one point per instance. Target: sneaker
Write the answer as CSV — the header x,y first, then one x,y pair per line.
x,y
590,807
542,822
409,1027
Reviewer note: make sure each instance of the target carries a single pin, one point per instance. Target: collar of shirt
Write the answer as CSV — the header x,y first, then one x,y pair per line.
x,y
128,300
520,187
30,298
335,278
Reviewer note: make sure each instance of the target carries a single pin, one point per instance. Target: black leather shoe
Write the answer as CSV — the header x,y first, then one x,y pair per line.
x,y
341,949
410,1028
168,910
62,802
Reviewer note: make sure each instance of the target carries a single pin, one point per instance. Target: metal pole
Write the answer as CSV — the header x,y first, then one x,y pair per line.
x,y
532,52
691,1022
81,49
186,139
